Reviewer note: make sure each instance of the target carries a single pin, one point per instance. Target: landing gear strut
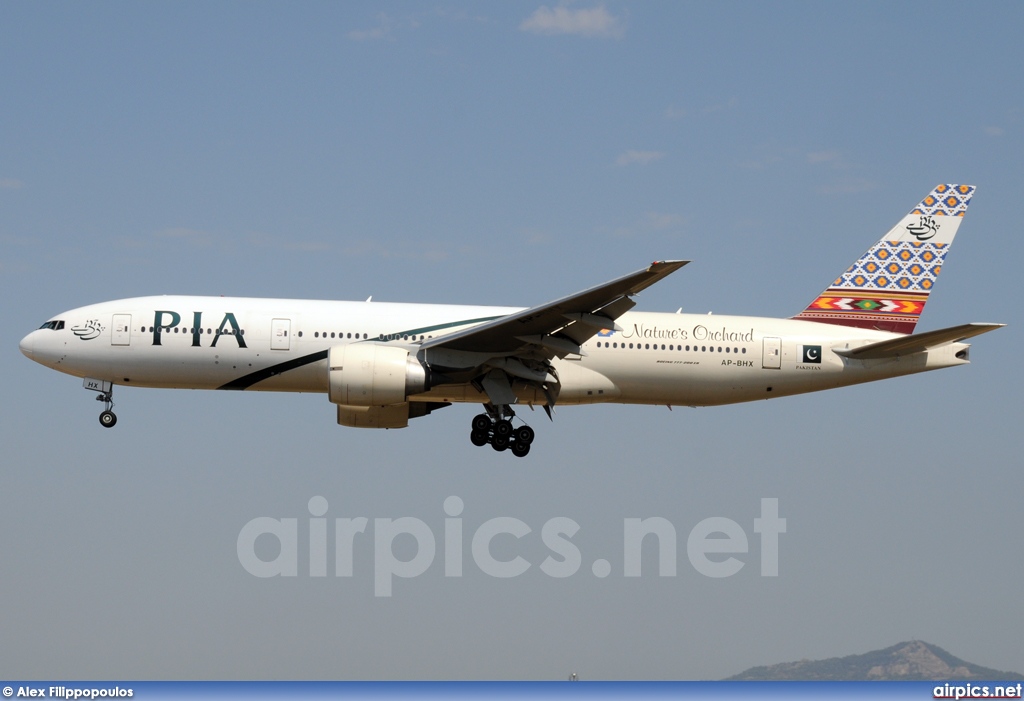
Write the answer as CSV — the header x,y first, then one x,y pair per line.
x,y
106,395
495,427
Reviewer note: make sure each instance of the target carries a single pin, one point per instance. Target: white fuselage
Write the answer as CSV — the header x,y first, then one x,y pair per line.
x,y
281,345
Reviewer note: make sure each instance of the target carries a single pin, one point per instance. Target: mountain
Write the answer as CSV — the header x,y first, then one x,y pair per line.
x,y
915,660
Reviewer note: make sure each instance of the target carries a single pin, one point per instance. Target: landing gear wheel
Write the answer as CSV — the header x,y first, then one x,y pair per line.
x,y
108,419
495,427
524,436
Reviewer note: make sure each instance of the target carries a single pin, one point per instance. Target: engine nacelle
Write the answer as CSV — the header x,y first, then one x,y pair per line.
x,y
373,375
391,416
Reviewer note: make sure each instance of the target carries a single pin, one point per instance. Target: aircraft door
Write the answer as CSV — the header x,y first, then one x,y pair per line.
x,y
121,330
771,359
280,334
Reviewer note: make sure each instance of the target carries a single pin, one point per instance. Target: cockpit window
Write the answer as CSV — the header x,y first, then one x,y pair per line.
x,y
53,325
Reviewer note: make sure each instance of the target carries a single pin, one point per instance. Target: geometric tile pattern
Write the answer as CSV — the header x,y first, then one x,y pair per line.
x,y
946,200
888,286
895,265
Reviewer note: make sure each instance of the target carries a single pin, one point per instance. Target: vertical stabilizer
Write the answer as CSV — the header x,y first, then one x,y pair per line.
x,y
886,289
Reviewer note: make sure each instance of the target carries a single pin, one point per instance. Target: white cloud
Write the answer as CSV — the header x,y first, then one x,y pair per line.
x,y
426,252
658,221
592,22
642,157
719,106
850,186
10,184
994,131
765,156
648,223
381,31
182,236
193,237
287,244
832,159
675,113
815,157
534,237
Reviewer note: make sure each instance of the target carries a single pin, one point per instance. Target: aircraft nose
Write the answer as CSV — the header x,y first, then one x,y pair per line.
x,y
26,345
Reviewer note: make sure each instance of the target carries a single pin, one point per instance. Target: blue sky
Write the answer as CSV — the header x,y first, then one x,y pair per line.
x,y
503,154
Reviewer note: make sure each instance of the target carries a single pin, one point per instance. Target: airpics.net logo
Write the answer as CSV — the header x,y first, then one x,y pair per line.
x,y
715,547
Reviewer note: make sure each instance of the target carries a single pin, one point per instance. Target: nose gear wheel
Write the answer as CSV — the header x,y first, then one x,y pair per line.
x,y
106,395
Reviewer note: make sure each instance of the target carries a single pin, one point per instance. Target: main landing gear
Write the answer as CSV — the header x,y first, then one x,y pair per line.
x,y
495,427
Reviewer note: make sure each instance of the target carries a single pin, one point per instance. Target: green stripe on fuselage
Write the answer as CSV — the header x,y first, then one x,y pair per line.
x,y
247,381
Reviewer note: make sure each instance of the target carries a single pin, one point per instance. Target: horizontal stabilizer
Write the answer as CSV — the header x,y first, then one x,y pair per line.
x,y
916,343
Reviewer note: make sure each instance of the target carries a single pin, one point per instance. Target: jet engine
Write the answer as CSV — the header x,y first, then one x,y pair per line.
x,y
373,375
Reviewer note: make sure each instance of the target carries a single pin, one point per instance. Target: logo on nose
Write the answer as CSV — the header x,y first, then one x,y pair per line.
x,y
89,330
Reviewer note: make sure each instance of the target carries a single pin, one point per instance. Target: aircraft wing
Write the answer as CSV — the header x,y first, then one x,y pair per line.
x,y
561,326
916,343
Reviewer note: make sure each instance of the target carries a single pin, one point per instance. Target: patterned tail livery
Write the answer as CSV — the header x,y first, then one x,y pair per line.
x,y
887,287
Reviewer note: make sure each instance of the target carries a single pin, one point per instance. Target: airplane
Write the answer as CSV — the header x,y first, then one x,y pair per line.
x,y
382,364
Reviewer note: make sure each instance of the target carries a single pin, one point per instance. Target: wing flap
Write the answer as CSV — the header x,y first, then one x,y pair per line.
x,y
916,343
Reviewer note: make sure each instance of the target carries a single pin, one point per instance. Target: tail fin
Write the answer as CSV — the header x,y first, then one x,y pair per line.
x,y
887,287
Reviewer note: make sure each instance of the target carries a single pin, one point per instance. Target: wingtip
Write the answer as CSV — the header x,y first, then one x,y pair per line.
x,y
673,264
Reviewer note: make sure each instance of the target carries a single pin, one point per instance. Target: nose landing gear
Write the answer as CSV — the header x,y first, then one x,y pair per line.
x,y
106,395
495,427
